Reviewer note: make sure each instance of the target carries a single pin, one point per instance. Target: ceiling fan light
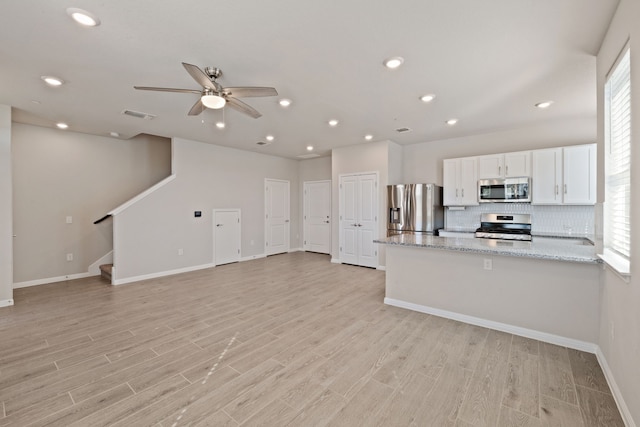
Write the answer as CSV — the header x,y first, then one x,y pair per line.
x,y
213,101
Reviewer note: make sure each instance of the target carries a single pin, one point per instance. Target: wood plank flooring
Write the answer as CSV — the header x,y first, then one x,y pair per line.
x,y
290,340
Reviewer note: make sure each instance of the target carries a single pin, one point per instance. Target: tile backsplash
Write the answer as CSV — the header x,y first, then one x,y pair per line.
x,y
555,220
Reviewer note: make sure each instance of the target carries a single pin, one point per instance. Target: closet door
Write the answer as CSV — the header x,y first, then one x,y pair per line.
x,y
359,219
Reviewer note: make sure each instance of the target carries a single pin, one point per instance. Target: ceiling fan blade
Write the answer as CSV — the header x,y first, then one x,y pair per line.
x,y
246,91
236,104
197,108
201,77
167,89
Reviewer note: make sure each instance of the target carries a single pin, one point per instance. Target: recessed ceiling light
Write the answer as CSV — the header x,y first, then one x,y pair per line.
x,y
114,134
545,104
83,17
52,81
452,122
368,137
62,125
309,147
428,98
220,125
333,123
269,137
284,102
394,62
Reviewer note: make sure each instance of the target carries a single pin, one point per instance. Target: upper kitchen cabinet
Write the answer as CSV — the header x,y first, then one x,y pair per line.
x,y
579,164
460,182
565,175
504,165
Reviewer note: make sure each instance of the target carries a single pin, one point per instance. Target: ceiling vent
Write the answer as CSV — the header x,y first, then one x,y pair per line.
x,y
263,143
403,130
308,156
138,114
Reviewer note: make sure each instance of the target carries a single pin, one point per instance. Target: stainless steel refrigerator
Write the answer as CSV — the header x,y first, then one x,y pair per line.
x,y
414,208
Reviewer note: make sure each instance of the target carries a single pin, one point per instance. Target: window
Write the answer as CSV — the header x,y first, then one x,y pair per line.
x,y
617,121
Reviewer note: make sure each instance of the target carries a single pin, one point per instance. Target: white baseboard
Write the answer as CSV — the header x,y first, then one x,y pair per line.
x,y
381,268
94,268
336,261
162,274
250,257
296,250
504,327
6,302
53,280
615,390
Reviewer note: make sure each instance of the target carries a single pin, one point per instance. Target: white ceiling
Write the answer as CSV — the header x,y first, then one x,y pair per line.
x,y
487,61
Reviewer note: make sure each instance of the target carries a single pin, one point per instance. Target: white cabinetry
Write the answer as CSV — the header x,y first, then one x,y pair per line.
x,y
460,182
359,219
564,175
504,165
546,182
579,174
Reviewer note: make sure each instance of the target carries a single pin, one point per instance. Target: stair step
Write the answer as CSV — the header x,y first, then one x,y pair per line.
x,y
106,270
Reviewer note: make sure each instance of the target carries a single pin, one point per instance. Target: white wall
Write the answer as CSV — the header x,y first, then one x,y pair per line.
x,y
60,173
6,222
423,162
148,234
621,300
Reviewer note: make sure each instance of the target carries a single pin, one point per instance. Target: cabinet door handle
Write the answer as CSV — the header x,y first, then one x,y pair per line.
x,y
506,170
565,189
499,170
218,225
462,192
456,192
556,189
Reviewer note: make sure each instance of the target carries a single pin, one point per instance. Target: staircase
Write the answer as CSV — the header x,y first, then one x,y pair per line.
x,y
105,271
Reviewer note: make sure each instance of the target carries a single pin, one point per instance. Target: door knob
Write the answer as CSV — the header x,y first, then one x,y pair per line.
x,y
219,225
327,222
286,220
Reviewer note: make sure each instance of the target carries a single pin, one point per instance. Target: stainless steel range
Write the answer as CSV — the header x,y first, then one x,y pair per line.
x,y
505,227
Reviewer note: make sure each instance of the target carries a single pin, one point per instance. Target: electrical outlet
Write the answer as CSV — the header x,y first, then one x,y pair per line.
x,y
488,264
69,220
180,251
69,257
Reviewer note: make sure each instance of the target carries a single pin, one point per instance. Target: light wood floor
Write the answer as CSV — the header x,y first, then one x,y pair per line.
x,y
287,340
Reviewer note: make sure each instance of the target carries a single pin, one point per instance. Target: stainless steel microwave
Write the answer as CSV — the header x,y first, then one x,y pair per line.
x,y
505,190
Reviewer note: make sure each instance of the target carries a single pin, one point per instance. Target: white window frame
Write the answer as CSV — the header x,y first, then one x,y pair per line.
x,y
617,148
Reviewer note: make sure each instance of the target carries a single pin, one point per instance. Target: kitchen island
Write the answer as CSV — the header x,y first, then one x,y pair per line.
x,y
546,289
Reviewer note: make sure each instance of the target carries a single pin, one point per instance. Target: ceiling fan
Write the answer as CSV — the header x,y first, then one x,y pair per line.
x,y
215,96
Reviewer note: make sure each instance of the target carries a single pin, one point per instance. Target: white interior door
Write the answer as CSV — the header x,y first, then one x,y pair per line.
x,y
277,225
358,219
317,216
368,219
226,236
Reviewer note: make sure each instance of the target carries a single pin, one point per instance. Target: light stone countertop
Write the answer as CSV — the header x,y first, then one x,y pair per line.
x,y
552,248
